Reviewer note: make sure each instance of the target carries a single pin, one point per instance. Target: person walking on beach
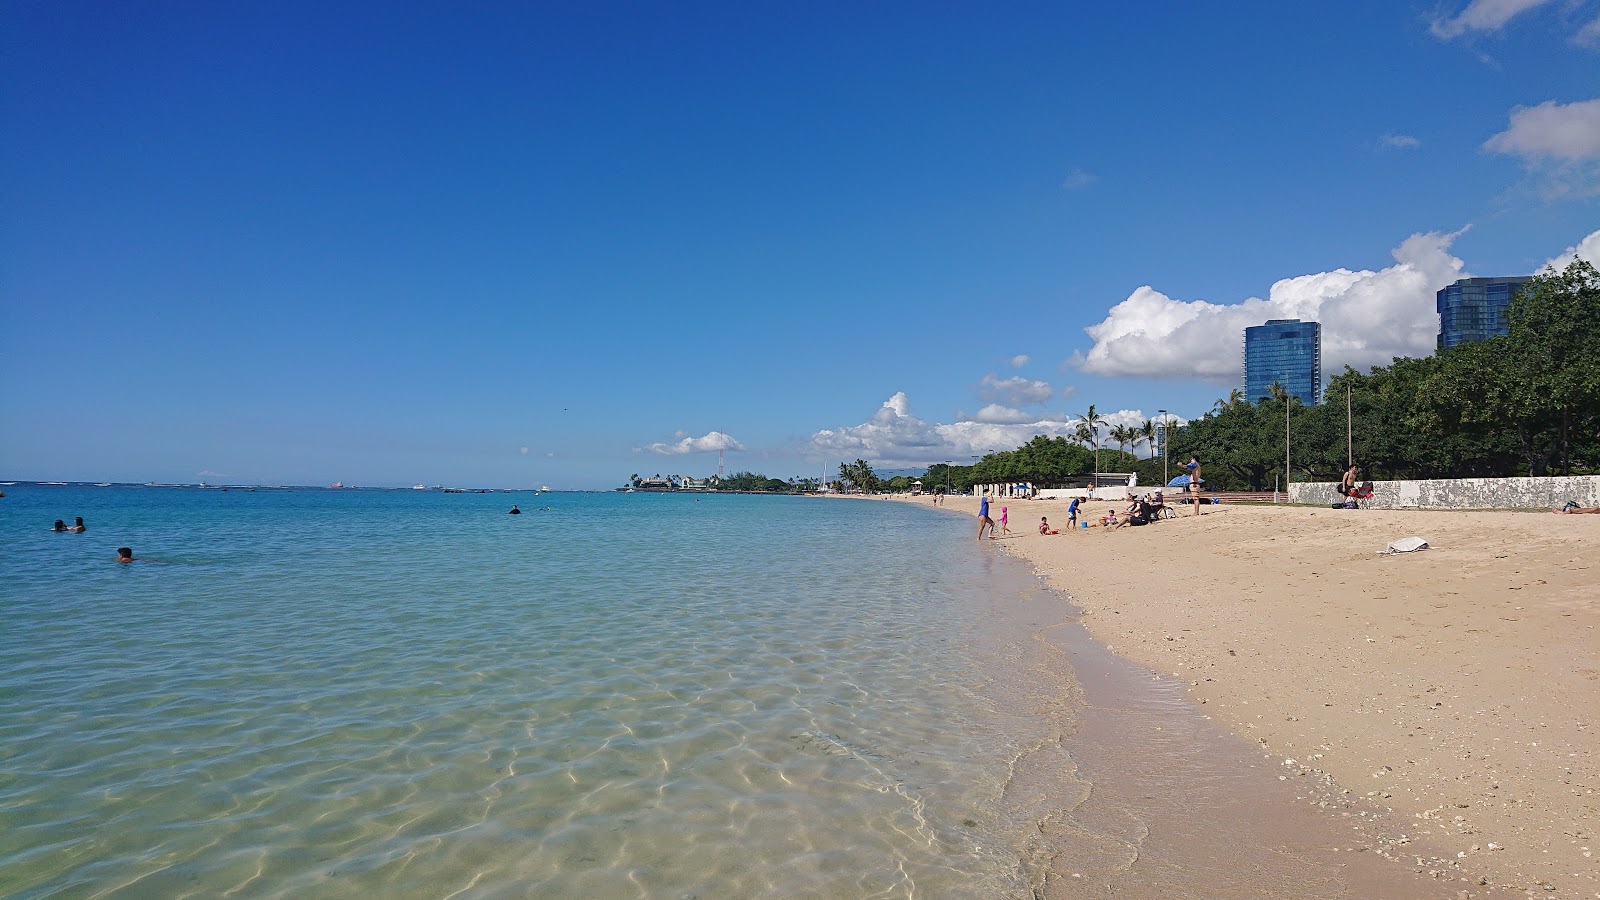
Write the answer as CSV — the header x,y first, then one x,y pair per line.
x,y
1005,520
983,518
1194,482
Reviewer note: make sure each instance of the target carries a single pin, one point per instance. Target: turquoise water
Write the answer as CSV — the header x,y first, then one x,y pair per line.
x,y
342,693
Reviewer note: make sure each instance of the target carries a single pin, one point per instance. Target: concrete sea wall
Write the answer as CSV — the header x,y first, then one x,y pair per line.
x,y
1463,493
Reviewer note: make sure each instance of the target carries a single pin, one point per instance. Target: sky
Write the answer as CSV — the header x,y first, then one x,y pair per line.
x,y
512,245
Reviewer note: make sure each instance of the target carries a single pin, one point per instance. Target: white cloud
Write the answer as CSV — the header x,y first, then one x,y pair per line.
x,y
1551,130
523,450
1020,360
1587,249
893,436
1559,146
1482,15
1367,319
711,441
1016,390
1588,35
996,414
1399,142
1078,179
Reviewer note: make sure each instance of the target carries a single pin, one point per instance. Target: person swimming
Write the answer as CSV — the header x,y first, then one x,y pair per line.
x,y
59,526
125,554
514,511
78,525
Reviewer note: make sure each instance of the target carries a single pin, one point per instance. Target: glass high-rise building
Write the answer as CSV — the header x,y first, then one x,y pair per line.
x,y
1475,309
1286,352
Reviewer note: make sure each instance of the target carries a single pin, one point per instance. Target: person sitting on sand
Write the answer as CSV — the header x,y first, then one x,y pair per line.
x,y
125,554
1044,526
78,525
1571,508
1109,520
59,526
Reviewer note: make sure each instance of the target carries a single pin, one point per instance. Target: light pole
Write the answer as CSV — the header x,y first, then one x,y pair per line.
x,y
1163,446
1288,401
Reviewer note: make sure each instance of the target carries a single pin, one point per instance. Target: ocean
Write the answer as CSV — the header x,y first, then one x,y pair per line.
x,y
308,692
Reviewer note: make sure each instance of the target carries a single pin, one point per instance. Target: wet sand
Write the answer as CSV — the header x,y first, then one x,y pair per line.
x,y
1432,713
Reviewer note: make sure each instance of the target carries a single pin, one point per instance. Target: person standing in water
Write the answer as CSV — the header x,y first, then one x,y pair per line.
x,y
983,518
78,525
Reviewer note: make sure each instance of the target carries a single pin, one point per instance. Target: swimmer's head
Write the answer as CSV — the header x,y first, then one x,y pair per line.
x,y
124,554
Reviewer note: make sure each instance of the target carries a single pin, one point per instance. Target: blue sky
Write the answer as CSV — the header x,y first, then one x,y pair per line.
x,y
510,245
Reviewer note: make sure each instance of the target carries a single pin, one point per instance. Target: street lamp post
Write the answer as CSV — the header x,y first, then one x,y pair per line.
x,y
1164,437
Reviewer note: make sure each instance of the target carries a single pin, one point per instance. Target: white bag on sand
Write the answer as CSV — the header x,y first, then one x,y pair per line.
x,y
1406,545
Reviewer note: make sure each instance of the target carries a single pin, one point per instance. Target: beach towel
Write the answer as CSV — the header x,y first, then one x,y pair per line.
x,y
1406,545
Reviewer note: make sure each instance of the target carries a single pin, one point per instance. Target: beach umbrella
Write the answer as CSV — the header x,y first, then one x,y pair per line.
x,y
1182,481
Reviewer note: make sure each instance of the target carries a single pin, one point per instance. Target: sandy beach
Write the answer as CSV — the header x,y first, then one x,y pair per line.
x,y
1445,699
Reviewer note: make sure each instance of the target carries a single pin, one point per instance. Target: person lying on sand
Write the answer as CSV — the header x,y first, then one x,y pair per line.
x,y
1572,508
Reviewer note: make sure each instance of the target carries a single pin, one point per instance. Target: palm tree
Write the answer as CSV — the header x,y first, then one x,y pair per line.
x,y
1123,435
1089,429
1147,432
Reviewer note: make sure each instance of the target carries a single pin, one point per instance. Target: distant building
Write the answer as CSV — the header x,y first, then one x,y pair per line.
x,y
1475,309
1286,352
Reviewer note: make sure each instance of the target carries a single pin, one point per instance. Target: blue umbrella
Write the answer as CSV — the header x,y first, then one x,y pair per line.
x,y
1182,481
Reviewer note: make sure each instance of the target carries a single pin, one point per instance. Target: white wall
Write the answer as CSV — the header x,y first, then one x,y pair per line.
x,y
1463,493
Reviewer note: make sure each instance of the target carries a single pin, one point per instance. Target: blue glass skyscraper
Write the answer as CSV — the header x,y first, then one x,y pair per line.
x,y
1475,309
1286,352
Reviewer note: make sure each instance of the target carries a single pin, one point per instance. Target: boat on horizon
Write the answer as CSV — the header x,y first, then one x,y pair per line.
x,y
419,487
337,484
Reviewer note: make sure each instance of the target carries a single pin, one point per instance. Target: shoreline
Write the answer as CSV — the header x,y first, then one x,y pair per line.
x,y
1441,706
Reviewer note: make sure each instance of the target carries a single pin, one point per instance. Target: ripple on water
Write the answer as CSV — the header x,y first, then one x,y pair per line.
x,y
742,697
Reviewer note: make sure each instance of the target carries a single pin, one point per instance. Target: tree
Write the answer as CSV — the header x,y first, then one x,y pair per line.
x,y
1123,435
1554,348
1147,433
1089,430
859,475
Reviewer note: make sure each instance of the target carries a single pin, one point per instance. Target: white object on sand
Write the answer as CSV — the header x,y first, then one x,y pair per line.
x,y
1406,545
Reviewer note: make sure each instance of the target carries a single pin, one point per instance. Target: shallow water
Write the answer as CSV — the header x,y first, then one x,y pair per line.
x,y
347,692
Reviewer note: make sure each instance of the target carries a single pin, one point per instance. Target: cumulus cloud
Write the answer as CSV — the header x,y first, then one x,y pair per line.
x,y
1559,145
1016,390
523,450
1587,249
711,441
1367,319
1482,15
1568,132
1020,360
1399,142
996,414
895,437
1077,180
1588,35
